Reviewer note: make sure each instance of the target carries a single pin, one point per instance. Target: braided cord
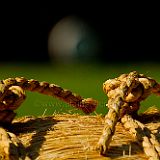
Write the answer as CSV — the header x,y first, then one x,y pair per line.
x,y
11,147
149,142
109,124
117,89
87,105
124,96
12,95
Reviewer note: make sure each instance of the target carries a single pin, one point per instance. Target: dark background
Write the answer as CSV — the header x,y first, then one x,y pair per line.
x,y
128,32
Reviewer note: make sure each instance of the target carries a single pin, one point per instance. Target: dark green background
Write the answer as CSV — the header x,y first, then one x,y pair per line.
x,y
84,79
128,35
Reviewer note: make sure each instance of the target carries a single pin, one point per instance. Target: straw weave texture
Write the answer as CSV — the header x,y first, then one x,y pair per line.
x,y
75,137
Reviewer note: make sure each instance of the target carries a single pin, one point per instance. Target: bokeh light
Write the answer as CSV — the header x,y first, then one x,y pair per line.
x,y
72,39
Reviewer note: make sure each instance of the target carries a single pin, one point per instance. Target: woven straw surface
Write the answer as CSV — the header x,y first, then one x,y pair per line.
x,y
75,137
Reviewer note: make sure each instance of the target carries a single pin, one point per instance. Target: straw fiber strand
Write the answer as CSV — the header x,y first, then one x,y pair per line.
x,y
75,137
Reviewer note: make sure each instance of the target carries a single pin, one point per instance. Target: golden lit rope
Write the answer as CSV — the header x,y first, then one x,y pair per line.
x,y
12,94
11,147
149,142
124,96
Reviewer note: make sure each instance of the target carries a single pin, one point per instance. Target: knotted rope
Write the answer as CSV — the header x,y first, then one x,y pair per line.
x,y
124,96
12,94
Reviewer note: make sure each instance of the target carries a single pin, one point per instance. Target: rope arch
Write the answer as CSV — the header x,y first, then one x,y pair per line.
x,y
124,96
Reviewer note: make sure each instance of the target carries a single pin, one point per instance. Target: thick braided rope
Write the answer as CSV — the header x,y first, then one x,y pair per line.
x,y
10,147
109,125
124,94
116,90
87,105
12,95
10,99
149,142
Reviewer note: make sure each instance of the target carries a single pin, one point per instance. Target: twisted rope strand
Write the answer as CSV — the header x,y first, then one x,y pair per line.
x,y
149,142
109,125
117,90
87,105
124,96
11,147
12,95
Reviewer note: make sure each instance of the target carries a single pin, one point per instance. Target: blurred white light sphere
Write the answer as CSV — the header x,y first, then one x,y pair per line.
x,y
72,39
